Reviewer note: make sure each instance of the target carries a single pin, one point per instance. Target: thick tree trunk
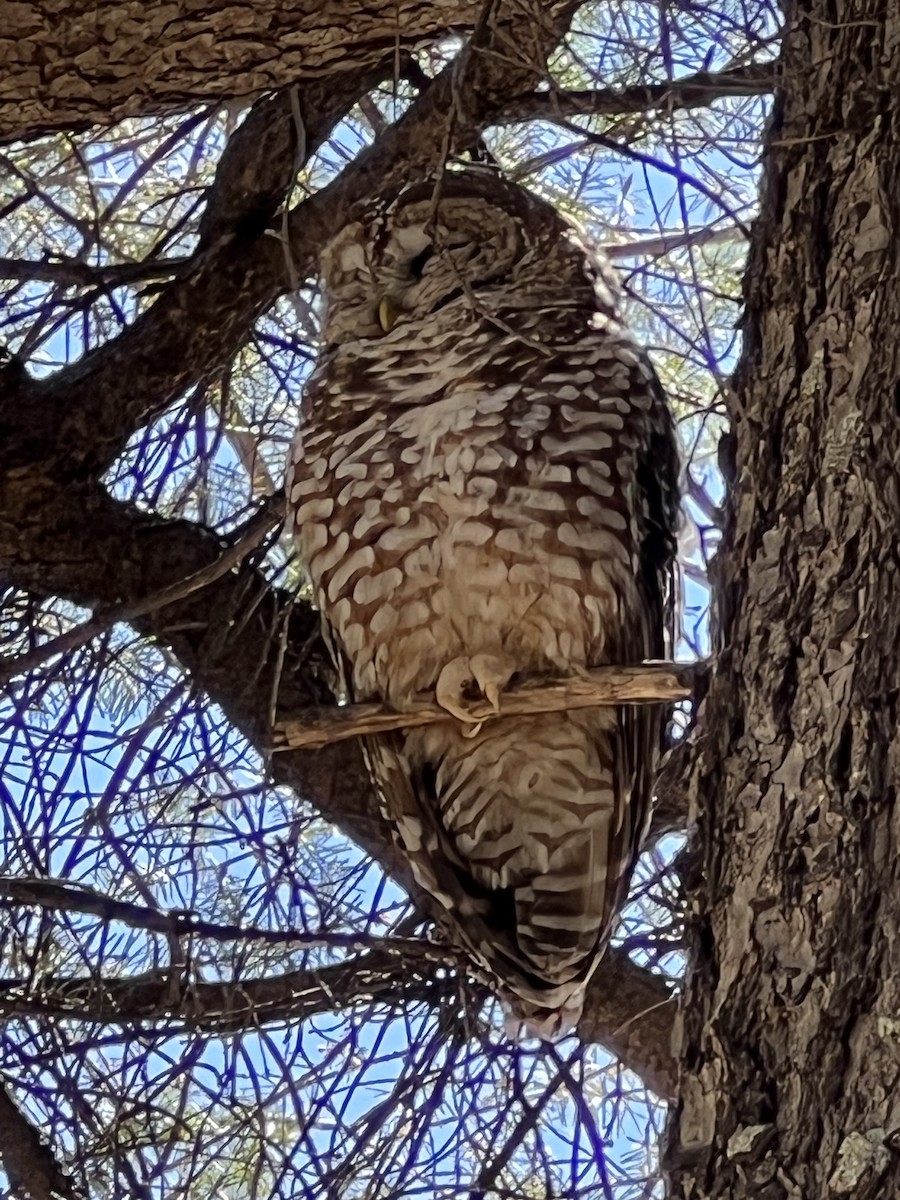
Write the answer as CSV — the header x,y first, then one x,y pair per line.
x,y
791,1056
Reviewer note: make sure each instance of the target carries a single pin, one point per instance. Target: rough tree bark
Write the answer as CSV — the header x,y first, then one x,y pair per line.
x,y
71,62
791,1025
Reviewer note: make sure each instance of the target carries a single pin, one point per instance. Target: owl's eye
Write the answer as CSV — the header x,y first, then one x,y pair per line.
x,y
417,266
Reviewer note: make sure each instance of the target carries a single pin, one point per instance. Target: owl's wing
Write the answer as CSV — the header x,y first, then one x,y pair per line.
x,y
641,728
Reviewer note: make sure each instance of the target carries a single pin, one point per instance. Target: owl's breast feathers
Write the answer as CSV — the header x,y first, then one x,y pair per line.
x,y
471,495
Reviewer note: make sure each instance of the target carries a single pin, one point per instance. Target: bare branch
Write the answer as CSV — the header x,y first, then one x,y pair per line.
x,y
226,634
85,412
648,683
60,895
654,247
670,812
165,998
628,1010
71,272
632,1013
658,164
693,91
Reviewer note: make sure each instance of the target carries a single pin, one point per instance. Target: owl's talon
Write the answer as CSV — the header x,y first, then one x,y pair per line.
x,y
492,674
449,688
487,671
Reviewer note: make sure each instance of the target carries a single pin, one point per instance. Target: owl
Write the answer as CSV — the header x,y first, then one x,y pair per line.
x,y
484,487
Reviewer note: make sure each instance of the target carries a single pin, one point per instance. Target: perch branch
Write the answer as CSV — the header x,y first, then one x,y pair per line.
x,y
646,684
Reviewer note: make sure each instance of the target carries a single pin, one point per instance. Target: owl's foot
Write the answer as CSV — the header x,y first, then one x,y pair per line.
x,y
487,672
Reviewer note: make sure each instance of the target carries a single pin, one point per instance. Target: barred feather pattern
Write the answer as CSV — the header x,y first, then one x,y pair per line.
x,y
486,466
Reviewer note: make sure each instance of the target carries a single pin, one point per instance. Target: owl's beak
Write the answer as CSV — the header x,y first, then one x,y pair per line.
x,y
388,312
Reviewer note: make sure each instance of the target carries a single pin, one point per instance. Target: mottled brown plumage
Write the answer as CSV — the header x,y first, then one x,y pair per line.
x,y
484,484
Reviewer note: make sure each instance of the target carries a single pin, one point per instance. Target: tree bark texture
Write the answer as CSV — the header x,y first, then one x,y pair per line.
x,y
791,1023
75,61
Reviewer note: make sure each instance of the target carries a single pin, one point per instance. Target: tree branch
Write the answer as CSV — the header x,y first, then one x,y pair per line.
x,y
645,684
165,997
670,811
248,538
71,272
61,895
631,1012
83,415
228,635
628,1010
70,70
693,91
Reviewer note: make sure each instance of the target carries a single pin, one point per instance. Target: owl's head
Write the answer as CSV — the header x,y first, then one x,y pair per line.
x,y
445,250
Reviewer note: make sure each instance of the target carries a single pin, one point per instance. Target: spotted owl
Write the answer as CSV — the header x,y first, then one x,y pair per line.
x,y
484,487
